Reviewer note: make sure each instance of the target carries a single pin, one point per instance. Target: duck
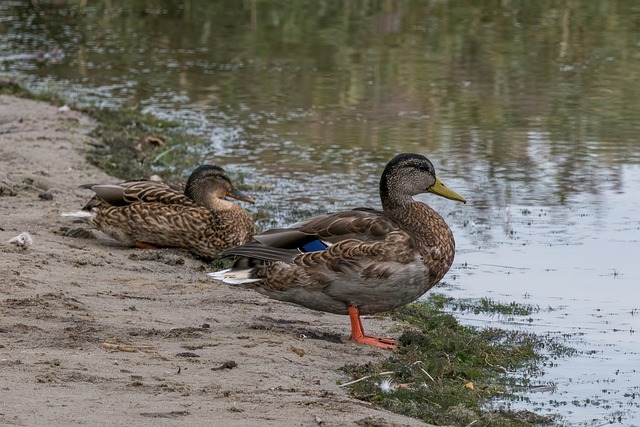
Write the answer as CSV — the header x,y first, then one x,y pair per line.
x,y
196,216
356,262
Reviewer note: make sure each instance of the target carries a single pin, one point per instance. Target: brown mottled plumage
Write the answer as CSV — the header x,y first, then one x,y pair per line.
x,y
195,217
360,261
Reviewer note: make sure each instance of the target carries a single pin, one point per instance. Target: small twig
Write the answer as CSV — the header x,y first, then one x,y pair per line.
x,y
125,347
434,403
471,423
365,377
164,153
423,370
18,184
502,368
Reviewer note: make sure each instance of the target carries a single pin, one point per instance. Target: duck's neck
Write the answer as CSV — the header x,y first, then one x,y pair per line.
x,y
432,237
217,204
419,219
212,201
411,214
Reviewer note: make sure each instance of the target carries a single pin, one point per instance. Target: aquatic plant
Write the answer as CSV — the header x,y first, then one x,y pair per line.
x,y
448,373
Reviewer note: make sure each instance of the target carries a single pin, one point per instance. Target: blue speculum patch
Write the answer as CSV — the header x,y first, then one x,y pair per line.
x,y
313,246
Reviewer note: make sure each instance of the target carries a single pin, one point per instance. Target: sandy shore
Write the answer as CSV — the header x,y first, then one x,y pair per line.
x,y
66,295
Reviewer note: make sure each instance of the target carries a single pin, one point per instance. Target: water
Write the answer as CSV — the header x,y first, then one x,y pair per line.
x,y
528,109
579,265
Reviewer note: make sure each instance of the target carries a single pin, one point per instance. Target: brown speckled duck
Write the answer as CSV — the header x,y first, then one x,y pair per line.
x,y
194,217
360,261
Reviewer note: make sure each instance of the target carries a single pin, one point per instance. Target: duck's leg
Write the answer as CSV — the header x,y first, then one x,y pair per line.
x,y
145,245
358,335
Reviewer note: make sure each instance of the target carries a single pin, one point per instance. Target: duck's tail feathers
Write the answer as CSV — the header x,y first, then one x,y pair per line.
x,y
233,277
79,214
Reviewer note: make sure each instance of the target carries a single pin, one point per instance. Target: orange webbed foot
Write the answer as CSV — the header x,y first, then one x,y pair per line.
x,y
380,342
358,335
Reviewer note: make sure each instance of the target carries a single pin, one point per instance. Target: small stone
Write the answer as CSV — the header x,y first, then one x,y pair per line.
x,y
229,364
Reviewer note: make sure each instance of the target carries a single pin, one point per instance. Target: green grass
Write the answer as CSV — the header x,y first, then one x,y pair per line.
x,y
446,373
489,306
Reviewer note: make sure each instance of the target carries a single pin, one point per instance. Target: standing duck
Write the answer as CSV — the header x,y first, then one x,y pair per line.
x,y
360,261
195,217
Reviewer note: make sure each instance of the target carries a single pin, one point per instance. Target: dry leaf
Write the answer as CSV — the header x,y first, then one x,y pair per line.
x,y
298,351
154,140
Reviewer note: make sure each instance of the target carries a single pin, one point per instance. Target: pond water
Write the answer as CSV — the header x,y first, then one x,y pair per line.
x,y
528,109
578,264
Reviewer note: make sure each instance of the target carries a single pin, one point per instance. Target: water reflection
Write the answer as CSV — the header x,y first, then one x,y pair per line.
x,y
579,265
528,109
496,89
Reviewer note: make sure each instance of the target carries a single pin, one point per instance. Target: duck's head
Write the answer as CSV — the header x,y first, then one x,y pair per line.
x,y
408,174
208,183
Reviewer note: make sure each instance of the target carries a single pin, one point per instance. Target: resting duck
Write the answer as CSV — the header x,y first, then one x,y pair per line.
x,y
360,261
195,217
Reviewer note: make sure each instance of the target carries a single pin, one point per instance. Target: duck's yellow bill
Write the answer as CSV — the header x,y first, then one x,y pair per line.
x,y
442,190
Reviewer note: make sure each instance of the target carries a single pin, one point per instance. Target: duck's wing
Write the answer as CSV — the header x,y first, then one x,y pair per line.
x,y
143,191
316,234
364,224
250,254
